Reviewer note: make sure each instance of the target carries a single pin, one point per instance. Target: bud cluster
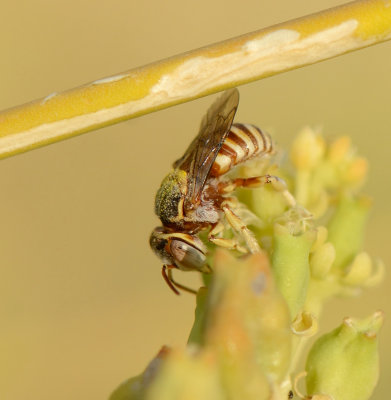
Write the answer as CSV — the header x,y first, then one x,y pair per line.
x,y
255,315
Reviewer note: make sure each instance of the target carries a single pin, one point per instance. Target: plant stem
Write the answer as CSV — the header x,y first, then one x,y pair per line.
x,y
194,74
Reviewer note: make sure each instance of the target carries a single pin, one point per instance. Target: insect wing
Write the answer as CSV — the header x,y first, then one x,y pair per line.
x,y
202,152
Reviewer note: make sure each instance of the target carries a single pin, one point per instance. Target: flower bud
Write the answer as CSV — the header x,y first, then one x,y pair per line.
x,y
344,364
187,376
339,149
248,323
321,237
321,260
136,387
266,203
357,171
197,332
307,149
359,270
290,263
346,229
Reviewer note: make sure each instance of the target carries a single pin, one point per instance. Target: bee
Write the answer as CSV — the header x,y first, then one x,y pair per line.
x,y
194,196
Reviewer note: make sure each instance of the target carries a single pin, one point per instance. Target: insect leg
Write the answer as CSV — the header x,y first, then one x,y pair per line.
x,y
174,286
168,279
223,242
256,182
239,226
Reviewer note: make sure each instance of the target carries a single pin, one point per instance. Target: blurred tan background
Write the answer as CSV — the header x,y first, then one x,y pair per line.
x,y
82,302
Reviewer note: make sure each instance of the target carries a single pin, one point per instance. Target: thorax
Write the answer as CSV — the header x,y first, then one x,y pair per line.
x,y
175,210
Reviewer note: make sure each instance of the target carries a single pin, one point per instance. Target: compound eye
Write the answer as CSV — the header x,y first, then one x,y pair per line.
x,y
187,257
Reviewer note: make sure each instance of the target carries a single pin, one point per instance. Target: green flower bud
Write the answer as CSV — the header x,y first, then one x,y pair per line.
x,y
290,263
187,376
346,229
129,390
248,322
197,331
267,203
136,387
344,364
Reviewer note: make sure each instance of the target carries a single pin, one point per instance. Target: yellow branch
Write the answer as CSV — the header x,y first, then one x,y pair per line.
x,y
181,78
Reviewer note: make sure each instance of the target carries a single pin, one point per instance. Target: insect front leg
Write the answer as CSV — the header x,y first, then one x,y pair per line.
x,y
173,285
256,182
231,244
239,226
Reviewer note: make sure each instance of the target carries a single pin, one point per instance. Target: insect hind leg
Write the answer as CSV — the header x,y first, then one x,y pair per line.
x,y
256,182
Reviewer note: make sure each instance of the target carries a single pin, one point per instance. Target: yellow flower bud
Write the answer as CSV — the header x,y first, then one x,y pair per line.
x,y
339,149
321,260
307,149
321,237
359,270
356,171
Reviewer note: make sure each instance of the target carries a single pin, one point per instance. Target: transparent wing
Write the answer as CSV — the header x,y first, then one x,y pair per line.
x,y
201,154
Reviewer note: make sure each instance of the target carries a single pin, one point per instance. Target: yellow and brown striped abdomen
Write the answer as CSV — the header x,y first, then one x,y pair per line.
x,y
243,142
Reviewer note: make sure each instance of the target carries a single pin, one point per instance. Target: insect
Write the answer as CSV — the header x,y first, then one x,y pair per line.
x,y
195,195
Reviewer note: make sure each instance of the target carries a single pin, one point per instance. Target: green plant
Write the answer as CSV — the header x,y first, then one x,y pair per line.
x,y
254,317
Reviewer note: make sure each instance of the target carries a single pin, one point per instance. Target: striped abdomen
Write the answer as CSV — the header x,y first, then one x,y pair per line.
x,y
243,142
